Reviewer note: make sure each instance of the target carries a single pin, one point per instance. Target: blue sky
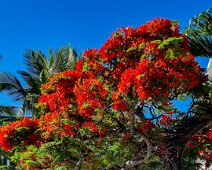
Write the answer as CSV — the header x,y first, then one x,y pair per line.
x,y
44,24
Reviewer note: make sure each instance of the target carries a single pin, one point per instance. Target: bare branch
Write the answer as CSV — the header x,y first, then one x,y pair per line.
x,y
79,163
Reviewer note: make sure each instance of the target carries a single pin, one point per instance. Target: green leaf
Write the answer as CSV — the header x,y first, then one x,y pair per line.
x,y
51,57
141,46
31,162
143,56
101,79
3,167
20,129
86,67
170,41
130,49
157,42
44,76
140,76
116,34
170,54
85,105
175,22
181,97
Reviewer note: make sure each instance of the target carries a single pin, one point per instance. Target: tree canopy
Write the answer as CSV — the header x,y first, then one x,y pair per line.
x,y
116,109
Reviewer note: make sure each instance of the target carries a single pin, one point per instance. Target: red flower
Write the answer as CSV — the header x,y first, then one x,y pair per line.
x,y
201,152
119,105
91,126
146,126
79,65
22,130
209,134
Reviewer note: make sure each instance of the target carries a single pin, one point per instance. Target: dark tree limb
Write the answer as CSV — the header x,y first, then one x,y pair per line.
x,y
182,134
130,164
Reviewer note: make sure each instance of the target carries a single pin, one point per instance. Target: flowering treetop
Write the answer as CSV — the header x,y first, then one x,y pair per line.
x,y
110,100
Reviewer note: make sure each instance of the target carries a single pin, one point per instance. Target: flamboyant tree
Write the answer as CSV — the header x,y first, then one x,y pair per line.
x,y
116,110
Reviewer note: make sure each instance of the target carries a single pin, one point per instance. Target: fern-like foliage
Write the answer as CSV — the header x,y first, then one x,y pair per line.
x,y
199,34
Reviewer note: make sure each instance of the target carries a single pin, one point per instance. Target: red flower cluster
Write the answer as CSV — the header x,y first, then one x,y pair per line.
x,y
119,105
202,144
166,120
144,62
57,92
58,124
22,130
91,126
92,62
89,96
145,126
146,65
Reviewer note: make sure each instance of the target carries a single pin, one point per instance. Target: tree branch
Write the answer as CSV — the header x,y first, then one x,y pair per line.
x,y
133,163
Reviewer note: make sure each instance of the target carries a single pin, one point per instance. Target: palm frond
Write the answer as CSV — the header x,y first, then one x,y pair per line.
x,y
199,34
35,62
73,58
33,84
200,46
10,84
4,119
7,110
27,108
65,59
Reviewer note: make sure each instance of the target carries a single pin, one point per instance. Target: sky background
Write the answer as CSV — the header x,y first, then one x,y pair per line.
x,y
44,24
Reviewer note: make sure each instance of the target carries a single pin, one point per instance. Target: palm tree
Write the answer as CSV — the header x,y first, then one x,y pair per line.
x,y
8,110
38,69
199,34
